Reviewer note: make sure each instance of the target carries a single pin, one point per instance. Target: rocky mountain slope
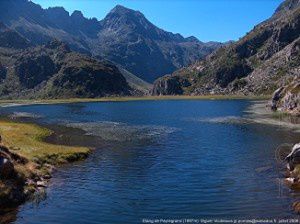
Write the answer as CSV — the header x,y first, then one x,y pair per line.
x,y
124,36
260,62
54,71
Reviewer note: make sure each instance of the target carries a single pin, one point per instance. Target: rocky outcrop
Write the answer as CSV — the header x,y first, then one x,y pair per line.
x,y
265,59
168,85
20,179
287,99
11,183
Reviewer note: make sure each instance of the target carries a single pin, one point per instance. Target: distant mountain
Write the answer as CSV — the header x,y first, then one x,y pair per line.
x,y
260,62
54,71
124,36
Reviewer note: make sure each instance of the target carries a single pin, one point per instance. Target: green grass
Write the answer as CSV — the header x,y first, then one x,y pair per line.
x,y
26,140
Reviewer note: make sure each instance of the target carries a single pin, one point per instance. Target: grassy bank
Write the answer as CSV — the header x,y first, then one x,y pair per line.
x,y
124,99
26,140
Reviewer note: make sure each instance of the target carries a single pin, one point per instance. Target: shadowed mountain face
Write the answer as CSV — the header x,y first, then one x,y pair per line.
x,y
124,36
54,71
10,38
265,59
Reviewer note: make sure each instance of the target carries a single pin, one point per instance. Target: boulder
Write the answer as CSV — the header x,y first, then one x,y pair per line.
x,y
293,158
276,97
296,207
6,168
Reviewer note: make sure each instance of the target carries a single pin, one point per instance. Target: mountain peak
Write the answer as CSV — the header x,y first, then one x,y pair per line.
x,y
128,21
192,39
121,9
57,10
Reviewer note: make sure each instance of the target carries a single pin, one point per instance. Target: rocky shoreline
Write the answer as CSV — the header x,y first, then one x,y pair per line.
x,y
24,178
20,179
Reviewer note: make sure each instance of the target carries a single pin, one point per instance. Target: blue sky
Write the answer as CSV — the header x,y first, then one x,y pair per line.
x,y
208,20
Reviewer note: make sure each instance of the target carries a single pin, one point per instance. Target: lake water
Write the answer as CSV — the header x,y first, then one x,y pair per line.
x,y
164,159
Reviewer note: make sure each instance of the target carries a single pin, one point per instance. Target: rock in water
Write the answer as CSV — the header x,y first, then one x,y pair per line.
x,y
6,168
293,158
296,207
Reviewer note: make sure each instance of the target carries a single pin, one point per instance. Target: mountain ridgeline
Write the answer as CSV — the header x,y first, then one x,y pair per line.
x,y
124,37
267,58
48,53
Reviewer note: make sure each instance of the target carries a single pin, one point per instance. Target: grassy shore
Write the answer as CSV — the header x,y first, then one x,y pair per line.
x,y
26,140
128,98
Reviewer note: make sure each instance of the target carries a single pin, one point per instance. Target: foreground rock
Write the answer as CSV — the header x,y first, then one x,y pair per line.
x,y
293,158
287,98
296,207
11,183
293,174
6,166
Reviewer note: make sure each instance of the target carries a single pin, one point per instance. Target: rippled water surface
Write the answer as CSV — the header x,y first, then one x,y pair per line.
x,y
164,159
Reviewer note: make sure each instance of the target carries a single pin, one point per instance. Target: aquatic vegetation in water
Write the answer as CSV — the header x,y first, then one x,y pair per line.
x,y
121,132
16,115
225,120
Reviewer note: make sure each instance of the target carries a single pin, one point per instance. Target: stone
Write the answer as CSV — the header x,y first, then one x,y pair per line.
x,y
293,183
293,158
296,207
30,182
47,176
6,168
41,184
